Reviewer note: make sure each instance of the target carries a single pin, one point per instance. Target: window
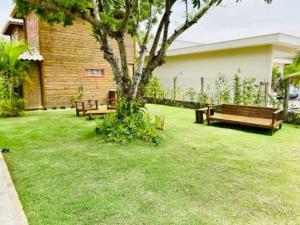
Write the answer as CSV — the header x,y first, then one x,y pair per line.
x,y
94,72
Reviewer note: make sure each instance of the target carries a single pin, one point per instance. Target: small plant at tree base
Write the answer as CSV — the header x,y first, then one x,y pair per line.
x,y
191,94
128,123
237,89
159,122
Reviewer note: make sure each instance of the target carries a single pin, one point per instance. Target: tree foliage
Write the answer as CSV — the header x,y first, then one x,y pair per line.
x,y
112,19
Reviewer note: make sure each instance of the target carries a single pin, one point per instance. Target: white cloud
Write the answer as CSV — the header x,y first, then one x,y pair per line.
x,y
248,18
230,20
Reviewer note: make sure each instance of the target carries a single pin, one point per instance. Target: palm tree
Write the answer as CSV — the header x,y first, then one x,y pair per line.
x,y
292,77
13,72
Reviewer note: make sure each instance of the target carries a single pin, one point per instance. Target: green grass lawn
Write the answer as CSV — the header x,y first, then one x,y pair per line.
x,y
200,174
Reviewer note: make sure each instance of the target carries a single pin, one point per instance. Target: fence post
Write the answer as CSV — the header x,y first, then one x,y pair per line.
x,y
202,85
266,93
174,88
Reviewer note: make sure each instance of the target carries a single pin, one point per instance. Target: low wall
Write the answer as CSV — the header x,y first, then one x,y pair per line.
x,y
169,102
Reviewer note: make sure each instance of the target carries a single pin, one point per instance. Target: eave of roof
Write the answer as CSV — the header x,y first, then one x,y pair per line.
x,y
32,55
11,22
271,39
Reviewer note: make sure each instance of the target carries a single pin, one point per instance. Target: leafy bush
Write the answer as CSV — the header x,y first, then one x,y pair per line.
x,y
274,102
203,99
237,99
154,89
249,93
129,122
223,90
13,73
191,93
11,107
78,95
4,89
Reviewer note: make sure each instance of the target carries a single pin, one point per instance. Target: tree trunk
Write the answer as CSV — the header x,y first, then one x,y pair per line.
x,y
286,98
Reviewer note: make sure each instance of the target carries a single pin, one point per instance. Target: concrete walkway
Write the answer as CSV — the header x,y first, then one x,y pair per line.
x,y
11,211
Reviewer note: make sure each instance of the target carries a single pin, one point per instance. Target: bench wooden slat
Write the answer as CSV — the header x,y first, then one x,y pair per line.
x,y
243,120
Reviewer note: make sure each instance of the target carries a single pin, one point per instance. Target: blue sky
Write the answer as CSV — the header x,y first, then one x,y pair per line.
x,y
230,20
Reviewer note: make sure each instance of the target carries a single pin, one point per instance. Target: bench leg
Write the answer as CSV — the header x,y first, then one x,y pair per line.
x,y
77,112
208,121
199,117
280,126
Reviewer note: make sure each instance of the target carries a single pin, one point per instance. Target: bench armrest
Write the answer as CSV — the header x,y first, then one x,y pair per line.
x,y
278,111
209,107
276,114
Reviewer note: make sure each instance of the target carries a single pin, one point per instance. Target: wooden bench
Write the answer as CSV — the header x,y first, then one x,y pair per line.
x,y
267,118
99,112
199,114
83,106
112,100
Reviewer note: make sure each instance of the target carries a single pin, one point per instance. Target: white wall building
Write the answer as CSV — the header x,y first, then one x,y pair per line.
x,y
254,57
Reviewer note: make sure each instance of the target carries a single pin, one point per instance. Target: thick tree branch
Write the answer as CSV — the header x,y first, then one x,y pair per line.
x,y
96,11
109,55
142,53
194,20
157,59
161,25
124,63
128,7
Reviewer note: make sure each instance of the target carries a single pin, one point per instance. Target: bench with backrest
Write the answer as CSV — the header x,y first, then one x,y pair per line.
x,y
268,118
83,106
112,100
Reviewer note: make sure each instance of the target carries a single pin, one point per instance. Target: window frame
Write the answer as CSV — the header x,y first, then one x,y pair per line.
x,y
86,75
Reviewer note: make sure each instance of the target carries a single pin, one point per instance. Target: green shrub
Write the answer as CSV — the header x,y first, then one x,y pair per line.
x,y
78,95
13,73
249,91
4,89
128,123
191,94
223,90
203,99
274,102
154,89
11,107
237,89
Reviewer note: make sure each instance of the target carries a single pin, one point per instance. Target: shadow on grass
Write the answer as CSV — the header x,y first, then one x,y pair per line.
x,y
253,130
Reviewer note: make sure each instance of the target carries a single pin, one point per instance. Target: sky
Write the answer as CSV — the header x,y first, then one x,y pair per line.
x,y
228,21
